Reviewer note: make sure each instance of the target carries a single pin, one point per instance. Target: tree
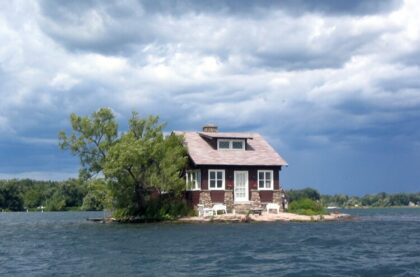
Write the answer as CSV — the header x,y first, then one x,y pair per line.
x,y
97,197
11,192
303,193
91,139
33,197
144,161
57,202
134,164
73,191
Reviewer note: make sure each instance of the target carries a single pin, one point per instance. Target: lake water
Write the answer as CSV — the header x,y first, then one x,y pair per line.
x,y
380,242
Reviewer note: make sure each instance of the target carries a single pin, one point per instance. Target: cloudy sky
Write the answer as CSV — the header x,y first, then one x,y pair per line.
x,y
333,85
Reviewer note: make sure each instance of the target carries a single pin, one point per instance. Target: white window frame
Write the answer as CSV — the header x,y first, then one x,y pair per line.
x,y
231,144
196,182
272,179
223,179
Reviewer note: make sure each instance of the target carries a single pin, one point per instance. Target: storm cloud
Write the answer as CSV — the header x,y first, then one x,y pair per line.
x,y
333,85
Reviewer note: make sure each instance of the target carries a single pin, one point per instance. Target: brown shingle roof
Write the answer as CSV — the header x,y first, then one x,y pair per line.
x,y
258,152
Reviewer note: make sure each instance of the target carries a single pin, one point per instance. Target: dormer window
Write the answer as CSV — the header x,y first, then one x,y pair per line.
x,y
231,144
224,144
238,144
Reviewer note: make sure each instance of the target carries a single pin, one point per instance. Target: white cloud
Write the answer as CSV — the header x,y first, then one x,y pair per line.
x,y
63,81
315,76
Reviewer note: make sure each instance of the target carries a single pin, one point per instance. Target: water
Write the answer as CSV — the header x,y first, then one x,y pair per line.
x,y
380,242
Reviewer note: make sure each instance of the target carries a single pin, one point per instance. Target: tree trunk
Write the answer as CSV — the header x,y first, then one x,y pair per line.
x,y
139,199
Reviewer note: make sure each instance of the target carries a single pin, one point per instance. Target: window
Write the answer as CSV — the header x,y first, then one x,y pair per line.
x,y
224,144
236,144
193,178
265,179
216,179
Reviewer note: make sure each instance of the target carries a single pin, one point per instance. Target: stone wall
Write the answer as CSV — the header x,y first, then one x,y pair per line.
x,y
229,200
255,199
205,199
277,198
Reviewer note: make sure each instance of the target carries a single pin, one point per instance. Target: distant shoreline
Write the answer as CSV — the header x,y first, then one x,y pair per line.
x,y
331,209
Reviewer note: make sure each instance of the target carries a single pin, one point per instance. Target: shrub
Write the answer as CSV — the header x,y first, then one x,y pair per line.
x,y
306,206
167,208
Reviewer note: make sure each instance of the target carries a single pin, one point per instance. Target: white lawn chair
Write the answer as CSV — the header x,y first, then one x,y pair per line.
x,y
204,211
273,206
219,207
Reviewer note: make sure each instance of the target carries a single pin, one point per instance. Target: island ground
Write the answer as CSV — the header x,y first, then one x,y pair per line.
x,y
265,217
238,218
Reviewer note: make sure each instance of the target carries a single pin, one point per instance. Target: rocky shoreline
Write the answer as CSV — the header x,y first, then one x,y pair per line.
x,y
282,217
232,218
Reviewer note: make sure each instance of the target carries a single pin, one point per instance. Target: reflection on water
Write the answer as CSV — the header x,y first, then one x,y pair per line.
x,y
380,242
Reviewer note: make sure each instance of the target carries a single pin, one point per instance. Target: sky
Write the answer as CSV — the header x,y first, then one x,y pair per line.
x,y
334,86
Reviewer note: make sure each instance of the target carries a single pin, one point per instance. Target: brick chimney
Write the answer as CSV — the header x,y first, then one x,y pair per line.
x,y
210,128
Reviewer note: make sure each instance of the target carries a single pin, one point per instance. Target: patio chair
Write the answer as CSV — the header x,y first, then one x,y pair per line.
x,y
273,206
202,211
219,207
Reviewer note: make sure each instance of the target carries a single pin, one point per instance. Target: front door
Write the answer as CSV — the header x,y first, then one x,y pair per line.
x,y
241,186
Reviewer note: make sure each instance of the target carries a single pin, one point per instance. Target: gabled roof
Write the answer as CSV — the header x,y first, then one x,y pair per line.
x,y
202,150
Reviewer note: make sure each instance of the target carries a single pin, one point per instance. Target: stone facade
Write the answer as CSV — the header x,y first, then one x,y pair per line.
x,y
255,199
229,200
205,199
277,198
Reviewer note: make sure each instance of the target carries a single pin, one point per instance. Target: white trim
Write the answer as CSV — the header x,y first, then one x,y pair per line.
x,y
231,144
271,183
223,179
197,181
246,186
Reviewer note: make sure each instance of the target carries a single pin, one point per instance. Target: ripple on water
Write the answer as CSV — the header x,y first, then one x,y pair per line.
x,y
380,243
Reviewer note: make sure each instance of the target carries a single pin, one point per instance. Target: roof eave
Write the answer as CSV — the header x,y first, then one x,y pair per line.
x,y
223,137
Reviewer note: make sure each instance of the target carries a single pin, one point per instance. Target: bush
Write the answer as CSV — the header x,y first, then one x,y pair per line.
x,y
306,206
158,208
167,208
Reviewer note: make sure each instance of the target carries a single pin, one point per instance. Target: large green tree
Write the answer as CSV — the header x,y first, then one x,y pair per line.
x,y
135,164
91,139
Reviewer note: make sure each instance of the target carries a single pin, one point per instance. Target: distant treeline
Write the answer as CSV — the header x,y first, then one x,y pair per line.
x,y
26,194
75,194
370,200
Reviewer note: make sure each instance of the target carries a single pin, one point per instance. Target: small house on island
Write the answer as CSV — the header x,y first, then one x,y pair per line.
x,y
239,170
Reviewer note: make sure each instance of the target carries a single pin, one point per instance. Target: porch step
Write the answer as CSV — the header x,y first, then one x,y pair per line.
x,y
242,208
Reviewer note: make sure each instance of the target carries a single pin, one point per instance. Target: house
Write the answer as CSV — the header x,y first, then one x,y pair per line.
x,y
240,170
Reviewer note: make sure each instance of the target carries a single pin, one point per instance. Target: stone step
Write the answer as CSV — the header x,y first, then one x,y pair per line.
x,y
242,208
